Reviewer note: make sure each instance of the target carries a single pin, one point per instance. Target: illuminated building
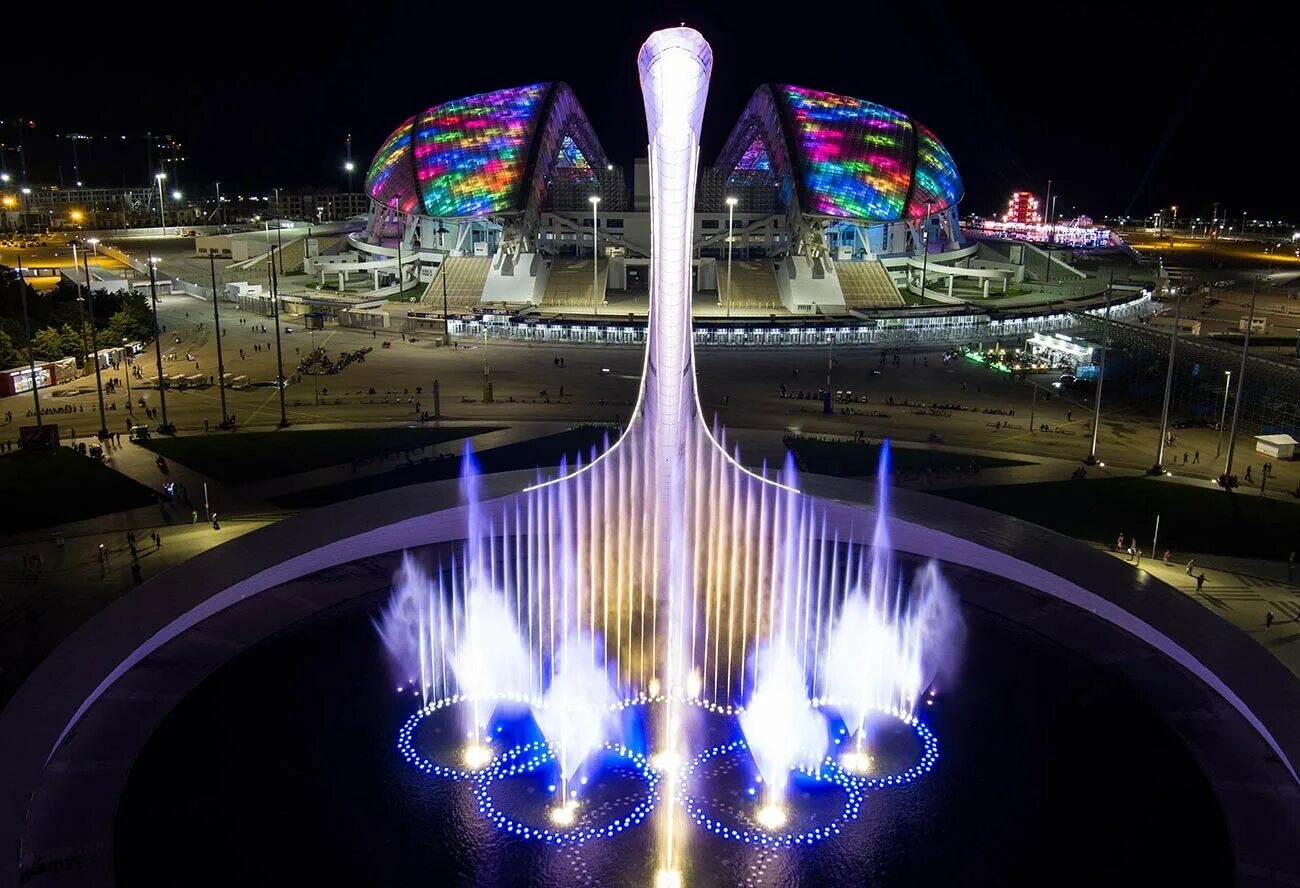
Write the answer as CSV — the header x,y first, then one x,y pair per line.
x,y
1022,209
500,183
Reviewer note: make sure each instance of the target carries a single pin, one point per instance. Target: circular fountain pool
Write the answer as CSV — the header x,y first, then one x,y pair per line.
x,y
282,767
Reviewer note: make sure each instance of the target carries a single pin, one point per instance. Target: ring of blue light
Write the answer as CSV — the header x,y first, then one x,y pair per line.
x,y
829,772
529,757
406,744
918,769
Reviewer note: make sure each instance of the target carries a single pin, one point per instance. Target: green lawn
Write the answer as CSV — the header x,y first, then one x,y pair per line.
x,y
239,458
41,489
1192,518
851,459
538,452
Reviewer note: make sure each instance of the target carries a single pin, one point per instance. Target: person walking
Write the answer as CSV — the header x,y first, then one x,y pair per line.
x,y
1268,621
1200,580
1196,457
1191,562
194,519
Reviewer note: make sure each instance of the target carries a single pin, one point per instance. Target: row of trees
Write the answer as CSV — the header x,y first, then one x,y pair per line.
x,y
59,327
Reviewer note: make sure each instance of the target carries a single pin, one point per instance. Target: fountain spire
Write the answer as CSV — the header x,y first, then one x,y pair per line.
x,y
675,65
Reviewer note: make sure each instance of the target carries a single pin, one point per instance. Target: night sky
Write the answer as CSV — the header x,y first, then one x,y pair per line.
x,y
1127,109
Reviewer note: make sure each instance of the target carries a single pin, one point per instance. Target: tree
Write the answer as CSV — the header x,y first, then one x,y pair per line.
x,y
48,344
9,356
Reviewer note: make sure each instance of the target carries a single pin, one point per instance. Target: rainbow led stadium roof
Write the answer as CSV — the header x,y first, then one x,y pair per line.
x,y
845,158
486,154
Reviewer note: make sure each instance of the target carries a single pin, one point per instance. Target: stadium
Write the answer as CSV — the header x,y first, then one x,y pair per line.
x,y
818,206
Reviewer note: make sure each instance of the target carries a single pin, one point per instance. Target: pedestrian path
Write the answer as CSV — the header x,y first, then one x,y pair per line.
x,y
1242,591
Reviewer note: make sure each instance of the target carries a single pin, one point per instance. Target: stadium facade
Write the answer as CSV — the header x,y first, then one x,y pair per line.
x,y
831,203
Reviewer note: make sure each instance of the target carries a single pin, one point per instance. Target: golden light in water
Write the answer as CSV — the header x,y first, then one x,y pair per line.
x,y
564,814
771,816
476,757
857,762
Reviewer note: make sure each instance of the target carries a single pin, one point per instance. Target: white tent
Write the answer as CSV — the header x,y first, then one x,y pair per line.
x,y
1276,446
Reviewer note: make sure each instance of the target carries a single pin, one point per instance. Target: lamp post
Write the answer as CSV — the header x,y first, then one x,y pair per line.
x,y
442,273
27,193
218,184
216,322
925,247
166,428
1175,209
731,236
1241,382
94,346
162,215
594,200
27,330
1101,375
279,356
1223,414
1158,468
94,244
349,166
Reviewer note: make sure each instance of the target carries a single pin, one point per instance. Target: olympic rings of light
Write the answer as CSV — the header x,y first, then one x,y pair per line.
x,y
531,756
406,735
829,772
918,769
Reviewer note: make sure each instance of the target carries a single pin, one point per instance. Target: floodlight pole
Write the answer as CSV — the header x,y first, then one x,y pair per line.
x,y
1241,383
925,247
279,356
94,346
157,345
731,236
216,319
1101,374
1169,385
1223,414
595,253
27,328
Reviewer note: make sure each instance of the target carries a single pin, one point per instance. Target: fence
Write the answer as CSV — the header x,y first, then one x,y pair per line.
x,y
899,329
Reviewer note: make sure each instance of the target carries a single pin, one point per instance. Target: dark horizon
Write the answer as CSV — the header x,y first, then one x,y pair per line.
x,y
1126,110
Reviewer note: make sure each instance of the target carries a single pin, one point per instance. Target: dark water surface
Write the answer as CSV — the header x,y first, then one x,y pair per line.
x,y
282,769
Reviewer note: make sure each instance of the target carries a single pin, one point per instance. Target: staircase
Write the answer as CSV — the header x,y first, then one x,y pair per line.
x,y
569,285
867,285
755,285
465,275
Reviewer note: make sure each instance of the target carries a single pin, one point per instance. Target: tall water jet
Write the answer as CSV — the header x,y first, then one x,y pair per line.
x,y
889,642
575,715
782,729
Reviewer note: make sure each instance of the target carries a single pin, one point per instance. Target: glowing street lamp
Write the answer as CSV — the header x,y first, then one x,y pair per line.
x,y
594,200
76,216
162,217
731,236
349,166
94,243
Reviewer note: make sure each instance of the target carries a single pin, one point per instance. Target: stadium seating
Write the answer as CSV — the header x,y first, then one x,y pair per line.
x,y
867,285
568,286
755,285
466,276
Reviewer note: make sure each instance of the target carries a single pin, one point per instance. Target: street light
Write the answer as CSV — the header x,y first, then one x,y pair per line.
x,y
442,273
162,216
731,236
594,200
1223,414
925,244
94,244
349,166
165,428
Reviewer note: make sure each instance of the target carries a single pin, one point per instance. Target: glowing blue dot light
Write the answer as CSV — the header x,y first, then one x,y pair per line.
x,y
531,756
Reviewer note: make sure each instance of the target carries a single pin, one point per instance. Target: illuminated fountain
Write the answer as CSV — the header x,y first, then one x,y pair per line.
x,y
664,585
